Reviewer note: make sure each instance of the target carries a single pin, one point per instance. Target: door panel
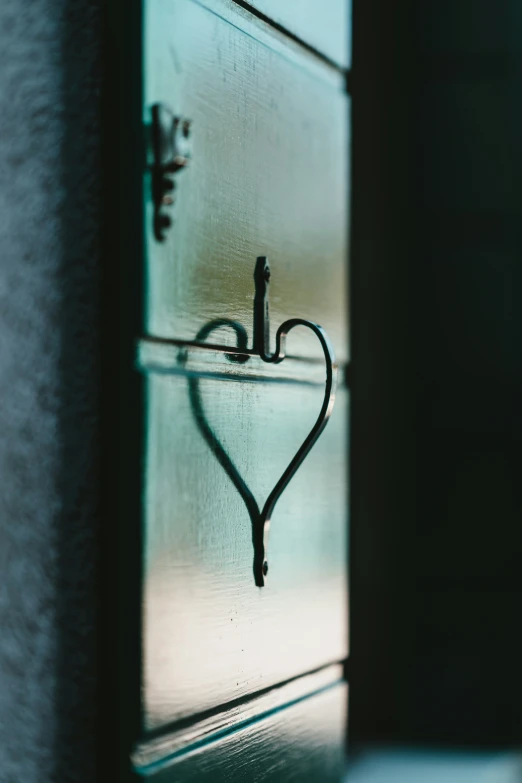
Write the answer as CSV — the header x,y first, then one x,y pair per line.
x,y
268,176
323,25
210,635
301,742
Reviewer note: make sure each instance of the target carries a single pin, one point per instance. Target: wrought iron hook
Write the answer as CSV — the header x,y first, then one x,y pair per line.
x,y
260,519
262,347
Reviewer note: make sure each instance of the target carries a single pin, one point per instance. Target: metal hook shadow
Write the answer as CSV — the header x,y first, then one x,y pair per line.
x,y
260,518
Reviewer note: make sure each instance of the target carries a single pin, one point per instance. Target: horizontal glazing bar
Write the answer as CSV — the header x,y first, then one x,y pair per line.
x,y
159,752
171,357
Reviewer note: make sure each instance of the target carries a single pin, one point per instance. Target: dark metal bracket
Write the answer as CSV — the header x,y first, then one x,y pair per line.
x,y
171,150
261,517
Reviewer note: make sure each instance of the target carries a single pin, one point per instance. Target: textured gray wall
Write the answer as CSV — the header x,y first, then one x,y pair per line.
x,y
49,202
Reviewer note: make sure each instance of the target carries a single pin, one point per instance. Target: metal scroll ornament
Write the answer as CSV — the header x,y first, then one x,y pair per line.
x,y
261,517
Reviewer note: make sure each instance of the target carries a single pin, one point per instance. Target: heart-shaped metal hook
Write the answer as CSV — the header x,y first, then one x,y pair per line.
x,y
261,517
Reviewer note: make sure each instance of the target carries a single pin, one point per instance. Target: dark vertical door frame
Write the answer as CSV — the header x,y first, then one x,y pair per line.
x,y
383,406
122,390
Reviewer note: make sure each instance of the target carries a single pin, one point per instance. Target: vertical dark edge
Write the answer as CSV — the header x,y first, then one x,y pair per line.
x,y
122,388
382,469
348,374
75,305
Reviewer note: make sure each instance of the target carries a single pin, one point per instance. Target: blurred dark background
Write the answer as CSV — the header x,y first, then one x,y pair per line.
x,y
436,542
